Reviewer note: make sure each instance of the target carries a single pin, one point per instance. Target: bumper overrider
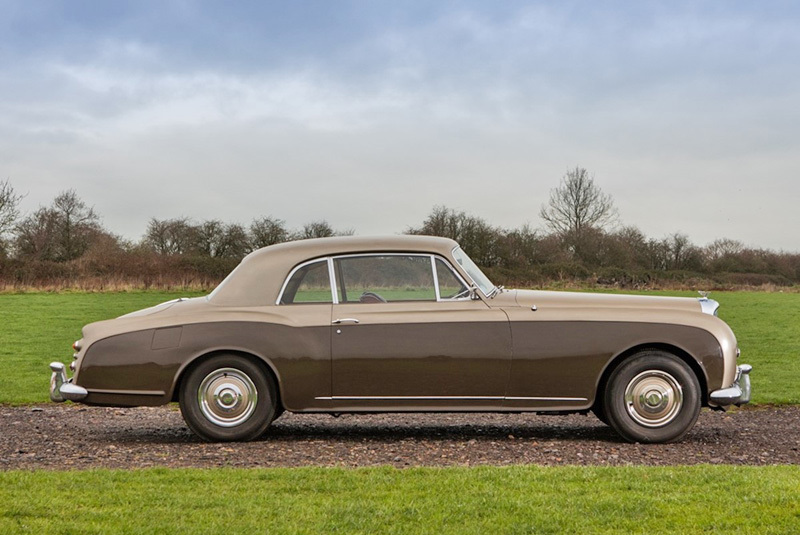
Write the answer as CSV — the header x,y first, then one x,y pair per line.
x,y
61,388
736,394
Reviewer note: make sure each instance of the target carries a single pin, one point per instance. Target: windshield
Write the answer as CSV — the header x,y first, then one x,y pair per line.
x,y
474,272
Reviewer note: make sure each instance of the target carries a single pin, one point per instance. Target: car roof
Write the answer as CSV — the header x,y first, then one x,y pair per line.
x,y
257,280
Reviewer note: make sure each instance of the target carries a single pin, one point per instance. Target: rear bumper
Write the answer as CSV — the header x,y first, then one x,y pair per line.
x,y
61,388
736,394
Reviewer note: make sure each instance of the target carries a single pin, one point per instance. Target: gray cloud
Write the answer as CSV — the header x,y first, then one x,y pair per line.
x,y
687,117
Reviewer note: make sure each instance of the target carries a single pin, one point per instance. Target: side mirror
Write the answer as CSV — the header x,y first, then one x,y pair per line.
x,y
473,293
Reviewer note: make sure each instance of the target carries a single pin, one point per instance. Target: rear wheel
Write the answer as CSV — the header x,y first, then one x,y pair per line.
x,y
652,397
227,398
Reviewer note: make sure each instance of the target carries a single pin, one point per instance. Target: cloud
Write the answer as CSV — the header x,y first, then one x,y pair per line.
x,y
481,107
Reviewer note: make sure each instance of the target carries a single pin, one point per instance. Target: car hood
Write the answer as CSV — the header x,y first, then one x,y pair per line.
x,y
586,300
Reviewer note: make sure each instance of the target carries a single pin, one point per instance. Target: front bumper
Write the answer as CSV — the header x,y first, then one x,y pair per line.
x,y
736,394
61,388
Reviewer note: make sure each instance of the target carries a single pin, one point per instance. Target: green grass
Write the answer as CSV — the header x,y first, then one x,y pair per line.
x,y
38,328
464,501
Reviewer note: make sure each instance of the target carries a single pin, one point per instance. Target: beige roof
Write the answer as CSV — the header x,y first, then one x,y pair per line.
x,y
258,279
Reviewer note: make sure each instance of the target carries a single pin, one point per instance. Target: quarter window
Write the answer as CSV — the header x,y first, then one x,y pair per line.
x,y
309,284
450,286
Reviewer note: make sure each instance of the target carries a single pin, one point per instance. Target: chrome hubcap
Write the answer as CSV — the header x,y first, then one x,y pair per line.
x,y
653,398
227,397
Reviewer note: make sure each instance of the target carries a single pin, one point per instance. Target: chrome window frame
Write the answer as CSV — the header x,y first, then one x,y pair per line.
x,y
449,265
294,270
435,279
332,276
475,284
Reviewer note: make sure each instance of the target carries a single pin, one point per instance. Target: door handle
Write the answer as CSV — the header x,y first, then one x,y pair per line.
x,y
344,320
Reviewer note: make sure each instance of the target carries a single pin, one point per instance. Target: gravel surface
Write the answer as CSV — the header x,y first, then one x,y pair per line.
x,y
70,436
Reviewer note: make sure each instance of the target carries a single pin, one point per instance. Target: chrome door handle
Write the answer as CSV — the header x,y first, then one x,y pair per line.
x,y
344,320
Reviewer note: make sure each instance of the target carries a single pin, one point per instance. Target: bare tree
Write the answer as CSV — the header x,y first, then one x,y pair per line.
x,y
216,239
35,235
316,229
209,237
577,204
60,232
442,221
77,221
9,212
476,236
723,247
675,252
169,236
268,231
519,248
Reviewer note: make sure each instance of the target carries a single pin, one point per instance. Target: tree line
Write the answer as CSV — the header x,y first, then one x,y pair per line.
x,y
581,243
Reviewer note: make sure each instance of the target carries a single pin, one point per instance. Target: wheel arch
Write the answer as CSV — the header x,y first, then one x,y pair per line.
x,y
679,352
266,365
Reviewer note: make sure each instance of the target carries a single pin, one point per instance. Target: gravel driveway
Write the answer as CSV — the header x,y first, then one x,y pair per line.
x,y
70,436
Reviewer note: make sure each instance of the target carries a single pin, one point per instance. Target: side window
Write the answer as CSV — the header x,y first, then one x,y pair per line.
x,y
309,284
450,286
384,279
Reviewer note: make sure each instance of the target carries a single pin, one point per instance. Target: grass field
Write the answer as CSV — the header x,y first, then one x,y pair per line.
x,y
40,327
529,499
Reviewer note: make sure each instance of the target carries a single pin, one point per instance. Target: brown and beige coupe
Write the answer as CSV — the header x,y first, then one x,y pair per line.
x,y
406,323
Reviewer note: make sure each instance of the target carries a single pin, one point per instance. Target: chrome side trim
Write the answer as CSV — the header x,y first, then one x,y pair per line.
x,y
408,398
544,399
129,392
435,398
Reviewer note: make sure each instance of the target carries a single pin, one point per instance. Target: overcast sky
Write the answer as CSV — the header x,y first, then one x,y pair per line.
x,y
369,113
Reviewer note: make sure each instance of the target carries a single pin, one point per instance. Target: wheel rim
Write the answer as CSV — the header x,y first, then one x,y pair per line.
x,y
227,397
653,398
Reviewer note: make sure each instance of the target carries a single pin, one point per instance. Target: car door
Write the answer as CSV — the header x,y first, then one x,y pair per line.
x,y
405,334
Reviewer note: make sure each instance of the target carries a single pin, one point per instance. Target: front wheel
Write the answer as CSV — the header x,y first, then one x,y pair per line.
x,y
652,397
227,398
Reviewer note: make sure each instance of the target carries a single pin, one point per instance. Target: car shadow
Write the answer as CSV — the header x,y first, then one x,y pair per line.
x,y
354,430
456,432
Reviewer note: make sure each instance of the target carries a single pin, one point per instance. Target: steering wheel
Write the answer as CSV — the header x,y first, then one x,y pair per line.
x,y
371,297
463,293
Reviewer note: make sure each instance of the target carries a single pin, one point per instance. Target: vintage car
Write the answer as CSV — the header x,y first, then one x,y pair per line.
x,y
400,324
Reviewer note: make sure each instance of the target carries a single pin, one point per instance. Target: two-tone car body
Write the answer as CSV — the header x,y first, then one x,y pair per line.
x,y
406,323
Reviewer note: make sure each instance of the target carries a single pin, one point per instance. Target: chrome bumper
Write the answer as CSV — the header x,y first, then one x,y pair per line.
x,y
61,388
736,394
